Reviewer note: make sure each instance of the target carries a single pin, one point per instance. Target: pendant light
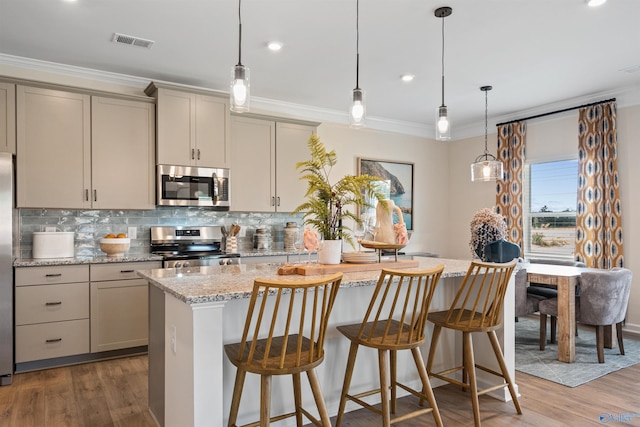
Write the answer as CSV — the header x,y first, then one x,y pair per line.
x,y
443,125
239,92
358,110
486,167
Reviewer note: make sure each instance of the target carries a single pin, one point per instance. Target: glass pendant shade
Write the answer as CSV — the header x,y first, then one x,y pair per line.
x,y
357,111
486,168
443,126
239,90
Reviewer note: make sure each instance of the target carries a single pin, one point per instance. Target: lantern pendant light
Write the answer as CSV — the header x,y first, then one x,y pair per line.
x,y
486,167
443,125
239,91
358,107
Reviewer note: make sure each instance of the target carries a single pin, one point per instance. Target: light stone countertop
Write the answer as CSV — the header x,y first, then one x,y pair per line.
x,y
198,285
38,262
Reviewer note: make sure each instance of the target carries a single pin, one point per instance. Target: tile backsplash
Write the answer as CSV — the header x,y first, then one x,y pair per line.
x,y
90,226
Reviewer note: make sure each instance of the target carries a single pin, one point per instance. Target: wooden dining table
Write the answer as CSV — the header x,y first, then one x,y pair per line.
x,y
565,278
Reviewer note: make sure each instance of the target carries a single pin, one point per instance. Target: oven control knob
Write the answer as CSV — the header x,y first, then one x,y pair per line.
x,y
222,261
186,264
178,264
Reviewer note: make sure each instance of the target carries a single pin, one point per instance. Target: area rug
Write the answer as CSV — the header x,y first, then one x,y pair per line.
x,y
545,364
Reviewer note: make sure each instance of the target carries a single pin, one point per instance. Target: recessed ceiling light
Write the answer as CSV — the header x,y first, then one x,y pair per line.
x,y
595,3
407,77
274,46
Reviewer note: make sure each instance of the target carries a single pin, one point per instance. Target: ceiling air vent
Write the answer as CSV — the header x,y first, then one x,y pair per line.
x,y
132,41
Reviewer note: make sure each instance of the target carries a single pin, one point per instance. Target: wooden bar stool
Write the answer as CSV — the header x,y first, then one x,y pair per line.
x,y
477,307
395,320
284,335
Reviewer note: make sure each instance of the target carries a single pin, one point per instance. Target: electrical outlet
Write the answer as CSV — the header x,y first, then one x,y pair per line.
x,y
243,232
173,339
132,232
50,229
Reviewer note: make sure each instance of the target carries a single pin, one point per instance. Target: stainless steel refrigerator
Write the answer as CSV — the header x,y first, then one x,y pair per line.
x,y
6,268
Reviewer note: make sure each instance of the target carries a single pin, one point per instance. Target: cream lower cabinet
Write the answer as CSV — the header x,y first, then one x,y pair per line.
x,y
51,312
75,151
119,306
264,154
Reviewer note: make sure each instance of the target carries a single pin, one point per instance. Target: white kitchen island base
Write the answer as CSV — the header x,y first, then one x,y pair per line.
x,y
196,384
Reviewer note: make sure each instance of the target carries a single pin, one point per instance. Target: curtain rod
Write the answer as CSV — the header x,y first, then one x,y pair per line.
x,y
556,112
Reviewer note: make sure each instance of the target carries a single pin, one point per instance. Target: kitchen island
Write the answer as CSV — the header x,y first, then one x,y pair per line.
x,y
194,312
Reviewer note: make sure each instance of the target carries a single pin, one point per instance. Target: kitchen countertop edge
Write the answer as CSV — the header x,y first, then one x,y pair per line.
x,y
212,284
40,262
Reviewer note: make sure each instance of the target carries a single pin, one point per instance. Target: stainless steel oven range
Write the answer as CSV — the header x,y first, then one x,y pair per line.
x,y
190,246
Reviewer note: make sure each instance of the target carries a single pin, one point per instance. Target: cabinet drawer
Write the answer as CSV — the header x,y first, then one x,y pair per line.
x,y
48,340
120,270
52,303
26,276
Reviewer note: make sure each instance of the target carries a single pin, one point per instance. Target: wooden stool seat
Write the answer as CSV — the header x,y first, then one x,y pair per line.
x,y
477,307
395,320
284,335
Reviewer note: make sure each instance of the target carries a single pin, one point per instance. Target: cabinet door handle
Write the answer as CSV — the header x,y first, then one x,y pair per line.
x,y
53,275
86,194
53,303
95,195
278,200
273,201
198,154
127,271
53,340
193,153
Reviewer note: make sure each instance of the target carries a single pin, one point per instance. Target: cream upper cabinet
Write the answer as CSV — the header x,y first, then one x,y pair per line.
x,y
75,152
264,154
53,148
7,117
193,128
291,148
252,164
122,154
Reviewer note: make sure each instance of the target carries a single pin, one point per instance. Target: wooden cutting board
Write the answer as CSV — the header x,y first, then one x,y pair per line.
x,y
346,267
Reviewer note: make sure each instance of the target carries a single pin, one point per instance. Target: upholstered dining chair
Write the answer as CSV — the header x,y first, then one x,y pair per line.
x,y
394,321
504,251
603,301
284,334
477,307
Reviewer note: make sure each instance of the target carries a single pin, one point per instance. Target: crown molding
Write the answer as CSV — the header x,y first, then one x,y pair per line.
x,y
272,106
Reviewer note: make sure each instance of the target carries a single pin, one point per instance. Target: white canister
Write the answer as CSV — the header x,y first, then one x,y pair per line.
x,y
53,244
291,234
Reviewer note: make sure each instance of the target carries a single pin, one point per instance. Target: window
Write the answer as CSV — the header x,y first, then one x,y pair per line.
x,y
550,214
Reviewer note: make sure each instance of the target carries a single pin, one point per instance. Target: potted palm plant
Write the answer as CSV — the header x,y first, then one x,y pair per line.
x,y
326,207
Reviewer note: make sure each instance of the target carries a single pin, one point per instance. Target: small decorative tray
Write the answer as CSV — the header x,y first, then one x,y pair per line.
x,y
379,245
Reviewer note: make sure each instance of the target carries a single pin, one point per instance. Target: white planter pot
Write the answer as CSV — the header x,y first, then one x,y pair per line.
x,y
330,252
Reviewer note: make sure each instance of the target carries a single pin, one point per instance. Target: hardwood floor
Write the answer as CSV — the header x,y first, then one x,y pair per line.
x,y
114,393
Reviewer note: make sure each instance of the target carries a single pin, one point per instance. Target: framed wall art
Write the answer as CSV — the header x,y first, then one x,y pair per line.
x,y
398,183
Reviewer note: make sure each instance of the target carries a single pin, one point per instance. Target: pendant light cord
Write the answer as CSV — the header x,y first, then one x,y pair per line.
x,y
239,33
442,60
486,107
357,44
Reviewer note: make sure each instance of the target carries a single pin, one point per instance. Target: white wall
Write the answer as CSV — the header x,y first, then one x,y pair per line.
x,y
431,186
552,138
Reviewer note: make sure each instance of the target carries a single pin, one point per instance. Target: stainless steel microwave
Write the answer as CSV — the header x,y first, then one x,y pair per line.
x,y
193,186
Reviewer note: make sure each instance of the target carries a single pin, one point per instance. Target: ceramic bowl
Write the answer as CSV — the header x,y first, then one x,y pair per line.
x,y
115,247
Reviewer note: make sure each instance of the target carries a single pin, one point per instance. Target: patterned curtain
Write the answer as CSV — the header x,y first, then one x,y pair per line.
x,y
599,212
511,152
